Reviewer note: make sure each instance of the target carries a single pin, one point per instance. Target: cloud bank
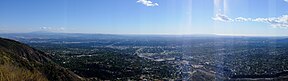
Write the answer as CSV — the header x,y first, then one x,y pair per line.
x,y
52,29
148,3
276,22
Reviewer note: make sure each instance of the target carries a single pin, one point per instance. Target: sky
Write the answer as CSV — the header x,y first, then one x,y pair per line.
x,y
224,17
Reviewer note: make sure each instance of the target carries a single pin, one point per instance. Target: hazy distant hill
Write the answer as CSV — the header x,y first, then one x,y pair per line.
x,y
51,35
19,62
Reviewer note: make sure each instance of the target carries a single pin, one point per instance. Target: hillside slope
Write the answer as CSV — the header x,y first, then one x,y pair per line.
x,y
20,62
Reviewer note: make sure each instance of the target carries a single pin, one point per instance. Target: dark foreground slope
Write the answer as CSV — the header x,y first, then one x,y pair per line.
x,y
19,62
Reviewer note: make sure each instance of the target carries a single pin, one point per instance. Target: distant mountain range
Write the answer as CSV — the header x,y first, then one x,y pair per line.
x,y
19,62
43,35
52,35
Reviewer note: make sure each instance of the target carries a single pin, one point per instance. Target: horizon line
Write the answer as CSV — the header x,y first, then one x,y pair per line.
x,y
172,34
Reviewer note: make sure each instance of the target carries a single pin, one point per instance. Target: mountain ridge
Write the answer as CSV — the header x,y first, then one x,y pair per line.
x,y
21,56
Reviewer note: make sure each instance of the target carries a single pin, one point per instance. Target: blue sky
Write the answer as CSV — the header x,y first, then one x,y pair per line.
x,y
228,17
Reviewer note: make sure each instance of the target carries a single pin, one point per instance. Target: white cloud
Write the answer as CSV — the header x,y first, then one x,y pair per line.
x,y
242,19
147,3
279,22
221,17
276,22
52,29
45,28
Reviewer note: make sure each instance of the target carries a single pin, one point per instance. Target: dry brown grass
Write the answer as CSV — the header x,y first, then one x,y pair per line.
x,y
12,73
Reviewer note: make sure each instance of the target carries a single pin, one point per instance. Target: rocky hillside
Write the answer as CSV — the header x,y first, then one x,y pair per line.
x,y
19,62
